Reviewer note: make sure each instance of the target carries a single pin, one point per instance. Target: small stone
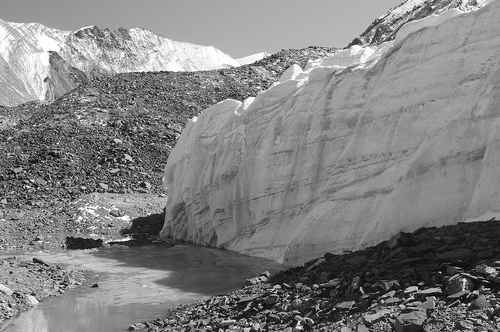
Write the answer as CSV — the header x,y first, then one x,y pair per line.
x,y
400,239
116,213
6,290
458,295
41,182
32,300
423,248
430,291
389,285
39,261
271,299
486,270
457,284
273,318
411,289
137,327
480,303
463,325
452,270
454,255
373,318
393,301
411,321
345,306
429,304
486,254
228,322
362,328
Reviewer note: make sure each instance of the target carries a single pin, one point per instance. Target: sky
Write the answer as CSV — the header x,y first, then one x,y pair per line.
x,y
236,27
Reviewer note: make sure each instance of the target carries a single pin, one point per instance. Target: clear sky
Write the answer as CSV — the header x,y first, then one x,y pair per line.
x,y
236,27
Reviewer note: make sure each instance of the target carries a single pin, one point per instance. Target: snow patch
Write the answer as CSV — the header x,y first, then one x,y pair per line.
x,y
45,58
85,28
252,58
48,44
485,216
429,21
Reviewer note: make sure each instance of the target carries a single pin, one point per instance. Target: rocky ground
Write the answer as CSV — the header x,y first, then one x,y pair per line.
x,y
24,283
435,279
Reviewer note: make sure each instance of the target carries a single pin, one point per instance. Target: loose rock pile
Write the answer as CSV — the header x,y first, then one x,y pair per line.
x,y
23,284
435,279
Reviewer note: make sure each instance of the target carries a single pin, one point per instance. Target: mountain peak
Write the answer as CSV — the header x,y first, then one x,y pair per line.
x,y
385,27
28,74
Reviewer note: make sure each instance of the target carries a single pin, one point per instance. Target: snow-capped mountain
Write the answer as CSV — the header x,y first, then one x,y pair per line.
x,y
352,149
40,63
252,58
386,27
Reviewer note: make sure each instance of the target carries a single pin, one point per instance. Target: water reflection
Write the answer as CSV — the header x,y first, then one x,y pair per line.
x,y
137,284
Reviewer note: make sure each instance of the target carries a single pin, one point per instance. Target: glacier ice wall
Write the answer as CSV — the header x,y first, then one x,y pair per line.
x,y
339,158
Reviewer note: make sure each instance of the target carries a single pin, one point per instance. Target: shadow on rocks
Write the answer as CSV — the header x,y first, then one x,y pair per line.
x,y
144,231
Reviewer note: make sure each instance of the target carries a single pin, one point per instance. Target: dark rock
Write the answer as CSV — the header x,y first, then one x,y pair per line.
x,y
454,255
401,239
488,253
423,248
39,261
376,317
463,325
411,321
457,284
459,295
116,213
480,303
82,243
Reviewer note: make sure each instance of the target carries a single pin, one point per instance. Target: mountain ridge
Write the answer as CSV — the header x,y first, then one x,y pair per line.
x,y
385,28
26,50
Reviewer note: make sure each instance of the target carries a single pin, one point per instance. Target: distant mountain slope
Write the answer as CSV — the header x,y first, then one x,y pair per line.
x,y
40,63
385,27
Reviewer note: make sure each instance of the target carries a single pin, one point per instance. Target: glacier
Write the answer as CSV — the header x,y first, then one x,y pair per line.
x,y
350,150
41,63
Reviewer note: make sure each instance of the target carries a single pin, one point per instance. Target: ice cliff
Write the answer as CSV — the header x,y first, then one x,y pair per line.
x,y
351,150
40,63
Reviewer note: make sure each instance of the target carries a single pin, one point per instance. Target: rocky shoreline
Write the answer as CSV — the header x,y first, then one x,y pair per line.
x,y
23,284
434,279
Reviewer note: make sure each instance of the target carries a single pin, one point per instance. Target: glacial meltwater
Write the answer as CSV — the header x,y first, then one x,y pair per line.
x,y
136,284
